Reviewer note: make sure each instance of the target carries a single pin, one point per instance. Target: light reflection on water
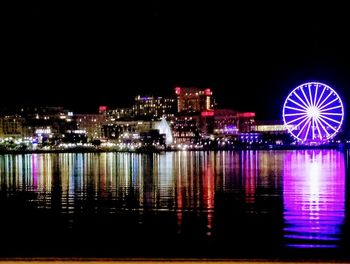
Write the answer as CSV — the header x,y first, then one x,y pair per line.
x,y
314,198
269,198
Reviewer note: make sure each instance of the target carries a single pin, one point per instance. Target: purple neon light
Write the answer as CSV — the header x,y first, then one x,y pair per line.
x,y
313,112
313,198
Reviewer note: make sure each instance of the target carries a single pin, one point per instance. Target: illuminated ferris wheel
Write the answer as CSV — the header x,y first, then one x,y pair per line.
x,y
313,112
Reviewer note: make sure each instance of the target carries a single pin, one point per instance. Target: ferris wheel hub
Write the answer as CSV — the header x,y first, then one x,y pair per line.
x,y
313,112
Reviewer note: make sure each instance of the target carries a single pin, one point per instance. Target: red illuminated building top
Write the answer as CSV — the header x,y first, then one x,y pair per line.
x,y
177,90
207,113
247,115
102,108
194,99
207,91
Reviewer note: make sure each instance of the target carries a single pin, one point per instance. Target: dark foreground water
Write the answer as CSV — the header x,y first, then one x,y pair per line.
x,y
243,204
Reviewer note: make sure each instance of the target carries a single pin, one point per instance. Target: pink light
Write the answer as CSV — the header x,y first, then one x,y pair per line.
x,y
207,91
246,114
35,171
207,113
178,90
102,108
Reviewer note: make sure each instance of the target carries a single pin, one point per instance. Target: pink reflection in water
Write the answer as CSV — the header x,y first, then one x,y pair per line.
x,y
314,198
250,169
35,169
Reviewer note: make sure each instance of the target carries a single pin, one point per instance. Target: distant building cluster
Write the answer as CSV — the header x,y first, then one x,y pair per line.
x,y
188,120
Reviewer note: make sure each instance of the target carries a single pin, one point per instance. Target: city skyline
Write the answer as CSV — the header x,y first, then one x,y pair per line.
x,y
251,55
207,130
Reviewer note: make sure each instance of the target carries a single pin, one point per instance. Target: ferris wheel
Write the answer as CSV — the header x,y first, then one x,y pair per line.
x,y
313,112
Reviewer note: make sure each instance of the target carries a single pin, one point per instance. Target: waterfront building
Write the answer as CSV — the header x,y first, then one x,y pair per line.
x,y
245,121
102,109
193,99
92,124
11,126
270,127
186,129
118,128
250,138
75,136
150,107
124,113
274,132
46,113
225,122
57,120
195,117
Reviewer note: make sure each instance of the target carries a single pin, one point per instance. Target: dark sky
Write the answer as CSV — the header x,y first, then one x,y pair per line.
x,y
251,53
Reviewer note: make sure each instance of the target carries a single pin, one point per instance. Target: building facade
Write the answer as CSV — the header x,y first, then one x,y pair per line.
x,y
193,99
11,126
154,107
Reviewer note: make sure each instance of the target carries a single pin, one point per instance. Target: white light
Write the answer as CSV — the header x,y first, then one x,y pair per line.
x,y
313,112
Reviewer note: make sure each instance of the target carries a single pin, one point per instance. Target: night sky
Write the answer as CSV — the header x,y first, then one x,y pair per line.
x,y
251,54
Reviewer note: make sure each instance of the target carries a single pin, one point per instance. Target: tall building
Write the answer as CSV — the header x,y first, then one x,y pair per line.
x,y
154,107
125,113
57,119
11,126
195,113
193,99
102,109
92,124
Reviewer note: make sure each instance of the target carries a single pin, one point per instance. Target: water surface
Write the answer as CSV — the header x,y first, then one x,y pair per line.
x,y
229,204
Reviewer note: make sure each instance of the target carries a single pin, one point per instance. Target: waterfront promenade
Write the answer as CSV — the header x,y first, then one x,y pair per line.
x,y
170,149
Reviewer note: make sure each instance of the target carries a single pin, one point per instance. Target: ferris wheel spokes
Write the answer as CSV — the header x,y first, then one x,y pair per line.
x,y
331,108
313,112
319,99
323,100
331,119
296,119
301,100
323,106
303,107
308,103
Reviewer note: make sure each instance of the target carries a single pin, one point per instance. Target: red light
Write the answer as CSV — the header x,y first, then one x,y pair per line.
x,y
207,113
247,114
207,91
177,90
102,108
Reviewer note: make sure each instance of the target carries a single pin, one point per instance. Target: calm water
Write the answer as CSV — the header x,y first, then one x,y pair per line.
x,y
243,204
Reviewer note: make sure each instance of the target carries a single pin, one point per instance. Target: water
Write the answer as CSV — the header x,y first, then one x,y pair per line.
x,y
229,204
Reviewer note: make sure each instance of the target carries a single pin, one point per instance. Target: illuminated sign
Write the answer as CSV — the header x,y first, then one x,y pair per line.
x,y
102,108
178,90
246,114
43,131
207,113
207,91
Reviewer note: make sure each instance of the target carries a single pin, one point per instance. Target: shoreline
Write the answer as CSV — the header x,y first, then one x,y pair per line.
x,y
151,151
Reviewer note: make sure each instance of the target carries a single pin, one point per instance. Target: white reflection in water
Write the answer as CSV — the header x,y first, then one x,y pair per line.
x,y
183,179
185,183
314,198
